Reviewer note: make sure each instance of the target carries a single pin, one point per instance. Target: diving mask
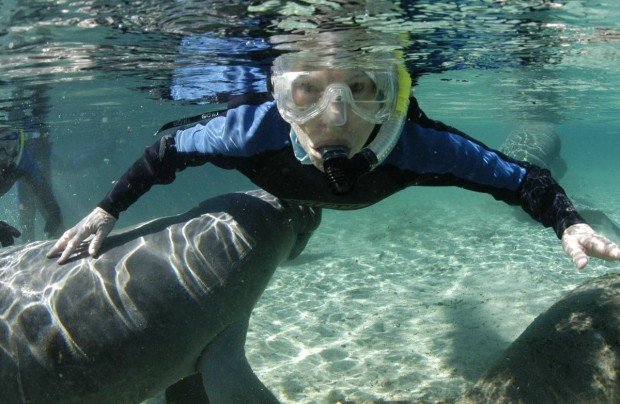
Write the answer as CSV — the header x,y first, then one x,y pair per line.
x,y
304,95
378,95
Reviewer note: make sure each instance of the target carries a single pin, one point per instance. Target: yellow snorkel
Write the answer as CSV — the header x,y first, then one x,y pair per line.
x,y
390,131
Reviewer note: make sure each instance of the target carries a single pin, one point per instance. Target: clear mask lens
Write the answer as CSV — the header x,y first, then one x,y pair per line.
x,y
305,95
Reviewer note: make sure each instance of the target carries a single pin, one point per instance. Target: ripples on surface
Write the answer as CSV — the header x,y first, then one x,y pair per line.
x,y
155,43
71,39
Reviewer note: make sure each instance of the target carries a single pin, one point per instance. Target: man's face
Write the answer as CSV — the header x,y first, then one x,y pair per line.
x,y
338,124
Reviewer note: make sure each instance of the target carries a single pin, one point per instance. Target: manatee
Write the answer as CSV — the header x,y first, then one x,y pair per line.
x,y
569,354
165,301
537,143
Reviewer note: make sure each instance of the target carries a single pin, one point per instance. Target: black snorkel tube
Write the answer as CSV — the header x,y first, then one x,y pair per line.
x,y
342,173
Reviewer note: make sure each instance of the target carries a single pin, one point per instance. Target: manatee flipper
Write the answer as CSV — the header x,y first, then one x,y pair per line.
x,y
226,373
303,238
302,241
188,390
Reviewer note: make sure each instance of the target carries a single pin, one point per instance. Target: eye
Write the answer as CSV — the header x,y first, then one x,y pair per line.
x,y
304,85
306,91
363,89
357,88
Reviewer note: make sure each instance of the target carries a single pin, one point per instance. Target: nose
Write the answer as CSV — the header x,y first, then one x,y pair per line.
x,y
336,113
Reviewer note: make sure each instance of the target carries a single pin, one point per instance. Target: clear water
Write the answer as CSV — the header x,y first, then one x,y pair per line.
x,y
407,300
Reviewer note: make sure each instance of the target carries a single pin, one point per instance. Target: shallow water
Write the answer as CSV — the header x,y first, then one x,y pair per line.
x,y
409,299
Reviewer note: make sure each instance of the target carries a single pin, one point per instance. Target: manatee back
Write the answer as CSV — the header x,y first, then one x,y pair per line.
x,y
133,321
569,354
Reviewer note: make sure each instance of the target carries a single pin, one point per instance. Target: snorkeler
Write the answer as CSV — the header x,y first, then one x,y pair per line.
x,y
16,163
341,136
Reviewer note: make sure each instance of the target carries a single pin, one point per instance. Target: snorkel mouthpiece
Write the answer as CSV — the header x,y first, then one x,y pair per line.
x,y
341,172
335,162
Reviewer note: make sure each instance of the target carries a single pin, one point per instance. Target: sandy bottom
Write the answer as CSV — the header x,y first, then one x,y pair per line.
x,y
407,300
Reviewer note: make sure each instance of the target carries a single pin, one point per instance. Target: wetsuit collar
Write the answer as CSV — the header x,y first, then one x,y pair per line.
x,y
299,151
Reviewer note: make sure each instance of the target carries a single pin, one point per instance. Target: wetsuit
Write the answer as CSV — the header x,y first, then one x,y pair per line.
x,y
28,171
251,136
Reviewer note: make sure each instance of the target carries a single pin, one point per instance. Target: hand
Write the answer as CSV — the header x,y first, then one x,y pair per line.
x,y
98,222
7,234
581,241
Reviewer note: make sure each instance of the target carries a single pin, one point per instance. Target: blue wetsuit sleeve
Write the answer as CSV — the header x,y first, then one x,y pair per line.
x,y
238,134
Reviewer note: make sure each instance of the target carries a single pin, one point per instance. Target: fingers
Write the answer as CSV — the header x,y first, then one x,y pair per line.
x,y
61,244
574,249
6,241
581,241
71,246
6,238
95,244
601,247
67,244
98,222
580,259
7,234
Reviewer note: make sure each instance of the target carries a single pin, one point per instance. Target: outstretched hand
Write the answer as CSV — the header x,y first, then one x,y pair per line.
x,y
98,222
580,241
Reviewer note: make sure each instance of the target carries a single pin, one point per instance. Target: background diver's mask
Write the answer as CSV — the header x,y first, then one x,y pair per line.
x,y
11,148
378,96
